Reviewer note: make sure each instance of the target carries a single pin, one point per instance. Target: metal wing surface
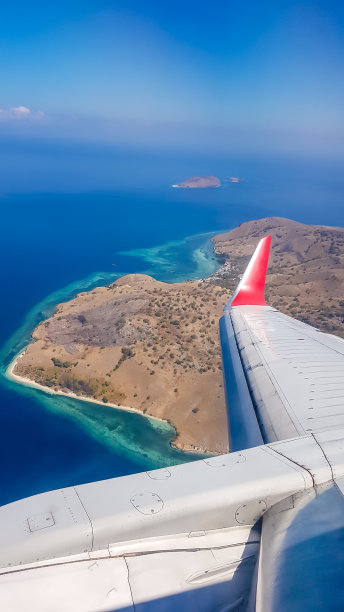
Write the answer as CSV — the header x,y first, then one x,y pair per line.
x,y
261,528
285,382
294,373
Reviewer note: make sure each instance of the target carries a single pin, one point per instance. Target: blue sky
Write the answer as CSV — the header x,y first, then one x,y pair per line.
x,y
225,76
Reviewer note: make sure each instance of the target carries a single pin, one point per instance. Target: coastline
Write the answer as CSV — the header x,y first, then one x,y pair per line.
x,y
30,383
150,255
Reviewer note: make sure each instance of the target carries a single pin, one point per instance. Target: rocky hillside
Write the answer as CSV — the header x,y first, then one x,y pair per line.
x,y
154,347
144,344
306,268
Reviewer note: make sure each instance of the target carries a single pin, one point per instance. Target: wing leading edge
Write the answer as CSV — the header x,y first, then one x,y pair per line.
x,y
190,536
285,380
292,372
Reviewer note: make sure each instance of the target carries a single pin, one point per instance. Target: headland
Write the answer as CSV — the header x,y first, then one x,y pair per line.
x,y
151,347
140,345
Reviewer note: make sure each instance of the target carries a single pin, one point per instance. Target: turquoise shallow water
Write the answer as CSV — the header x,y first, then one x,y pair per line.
x,y
178,260
47,241
134,442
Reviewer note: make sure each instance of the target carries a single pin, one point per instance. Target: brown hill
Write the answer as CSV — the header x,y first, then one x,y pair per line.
x,y
306,268
142,344
154,347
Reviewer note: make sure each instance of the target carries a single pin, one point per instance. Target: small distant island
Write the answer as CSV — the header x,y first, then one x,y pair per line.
x,y
199,182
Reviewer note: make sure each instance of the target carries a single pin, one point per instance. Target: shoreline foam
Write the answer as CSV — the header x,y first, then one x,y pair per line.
x,y
149,255
31,383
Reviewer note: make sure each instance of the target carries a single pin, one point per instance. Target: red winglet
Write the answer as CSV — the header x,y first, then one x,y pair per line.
x,y
250,290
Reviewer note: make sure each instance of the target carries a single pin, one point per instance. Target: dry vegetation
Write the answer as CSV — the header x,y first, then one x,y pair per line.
x,y
154,346
306,268
144,344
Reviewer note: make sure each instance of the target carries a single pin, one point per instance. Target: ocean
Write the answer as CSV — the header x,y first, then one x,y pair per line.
x,y
54,245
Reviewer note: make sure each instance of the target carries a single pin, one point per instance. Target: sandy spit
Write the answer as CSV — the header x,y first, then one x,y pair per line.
x,y
30,383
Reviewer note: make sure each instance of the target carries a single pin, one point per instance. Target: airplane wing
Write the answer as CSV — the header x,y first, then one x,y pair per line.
x,y
291,374
285,381
261,528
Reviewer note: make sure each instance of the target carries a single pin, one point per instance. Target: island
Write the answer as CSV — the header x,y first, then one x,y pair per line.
x,y
139,344
153,347
200,182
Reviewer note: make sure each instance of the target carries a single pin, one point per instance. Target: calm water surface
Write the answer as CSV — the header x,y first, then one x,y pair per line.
x,y
53,246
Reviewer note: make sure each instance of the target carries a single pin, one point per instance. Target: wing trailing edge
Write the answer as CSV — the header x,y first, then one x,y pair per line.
x,y
250,291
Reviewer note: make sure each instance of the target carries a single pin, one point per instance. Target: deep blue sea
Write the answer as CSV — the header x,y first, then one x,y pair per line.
x,y
54,245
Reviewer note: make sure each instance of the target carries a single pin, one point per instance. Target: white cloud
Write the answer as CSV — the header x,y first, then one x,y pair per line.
x,y
20,113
